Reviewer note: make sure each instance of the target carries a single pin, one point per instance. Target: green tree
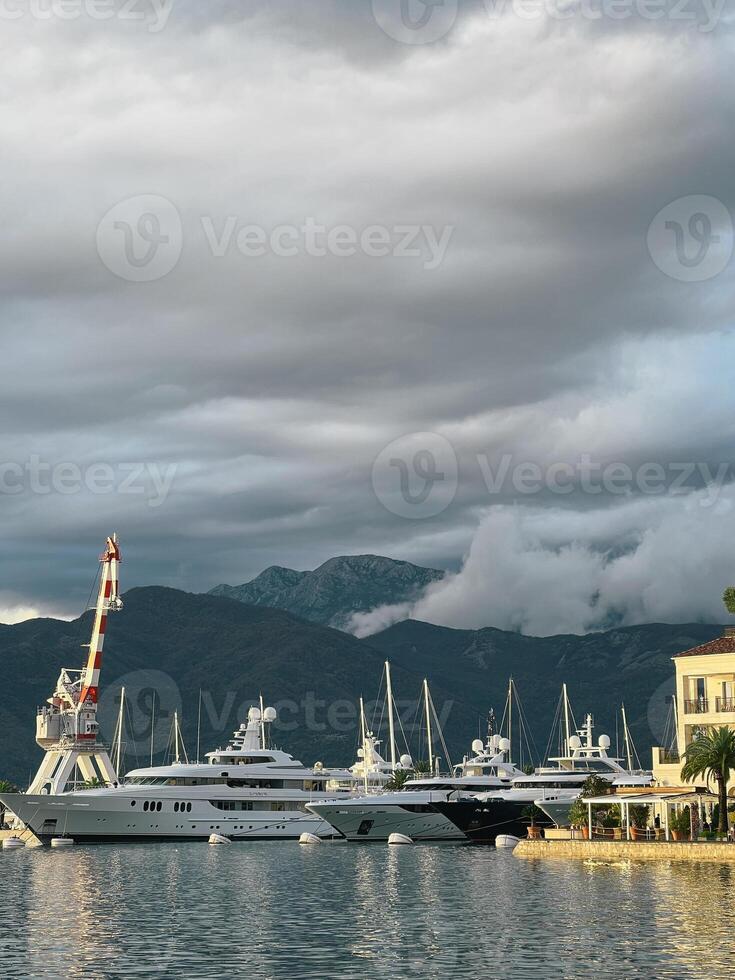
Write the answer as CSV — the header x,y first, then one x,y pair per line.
x,y
728,597
398,780
592,786
712,755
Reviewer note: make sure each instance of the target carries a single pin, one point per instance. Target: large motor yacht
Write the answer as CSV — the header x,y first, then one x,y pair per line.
x,y
412,810
553,789
244,792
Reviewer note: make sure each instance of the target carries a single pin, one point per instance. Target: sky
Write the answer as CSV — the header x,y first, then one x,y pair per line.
x,y
450,282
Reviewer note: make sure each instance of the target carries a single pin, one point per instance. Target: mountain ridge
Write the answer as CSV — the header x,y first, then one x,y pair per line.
x,y
340,587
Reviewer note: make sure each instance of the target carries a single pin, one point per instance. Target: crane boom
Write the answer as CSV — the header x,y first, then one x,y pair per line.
x,y
108,598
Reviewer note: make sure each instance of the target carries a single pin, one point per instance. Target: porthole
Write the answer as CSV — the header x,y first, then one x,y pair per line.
x,y
132,802
145,806
159,806
176,807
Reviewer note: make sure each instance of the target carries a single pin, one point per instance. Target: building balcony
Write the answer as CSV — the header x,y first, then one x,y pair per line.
x,y
698,707
725,704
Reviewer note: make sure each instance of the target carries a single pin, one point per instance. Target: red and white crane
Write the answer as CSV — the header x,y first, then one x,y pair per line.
x,y
67,726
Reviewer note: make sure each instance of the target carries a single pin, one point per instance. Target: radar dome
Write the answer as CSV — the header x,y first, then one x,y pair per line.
x,y
575,742
604,741
406,761
254,714
504,744
495,741
477,745
269,714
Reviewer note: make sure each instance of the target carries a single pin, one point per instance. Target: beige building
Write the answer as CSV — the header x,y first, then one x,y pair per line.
x,y
705,698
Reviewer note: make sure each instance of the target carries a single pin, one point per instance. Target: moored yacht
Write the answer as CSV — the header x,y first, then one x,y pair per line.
x,y
553,789
245,792
412,809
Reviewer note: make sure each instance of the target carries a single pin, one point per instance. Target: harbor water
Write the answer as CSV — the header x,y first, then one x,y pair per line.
x,y
280,910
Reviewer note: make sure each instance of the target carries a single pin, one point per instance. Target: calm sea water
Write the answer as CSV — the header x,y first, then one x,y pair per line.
x,y
343,910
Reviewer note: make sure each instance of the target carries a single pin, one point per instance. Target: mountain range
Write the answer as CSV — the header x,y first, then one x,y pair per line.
x,y
165,646
334,592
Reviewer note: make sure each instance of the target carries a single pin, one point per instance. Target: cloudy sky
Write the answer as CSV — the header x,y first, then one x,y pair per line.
x,y
448,282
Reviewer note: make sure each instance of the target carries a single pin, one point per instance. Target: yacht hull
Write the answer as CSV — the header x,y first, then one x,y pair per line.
x,y
482,822
376,822
112,817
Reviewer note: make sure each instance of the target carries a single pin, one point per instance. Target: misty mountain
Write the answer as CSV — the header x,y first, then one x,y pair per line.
x,y
336,590
167,645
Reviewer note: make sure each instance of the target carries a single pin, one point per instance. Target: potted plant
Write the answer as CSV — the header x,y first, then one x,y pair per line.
x,y
532,813
578,817
638,820
679,824
611,821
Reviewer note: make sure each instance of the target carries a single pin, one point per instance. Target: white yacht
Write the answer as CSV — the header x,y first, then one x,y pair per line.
x,y
553,789
411,809
244,792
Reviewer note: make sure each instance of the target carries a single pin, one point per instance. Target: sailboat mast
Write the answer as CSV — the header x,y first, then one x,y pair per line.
x,y
510,716
363,733
428,726
176,737
626,737
566,716
118,733
391,723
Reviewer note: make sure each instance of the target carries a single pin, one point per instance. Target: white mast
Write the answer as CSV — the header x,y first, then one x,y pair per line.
x,y
626,737
262,723
176,737
199,724
153,724
119,732
391,726
428,725
566,718
363,734
510,717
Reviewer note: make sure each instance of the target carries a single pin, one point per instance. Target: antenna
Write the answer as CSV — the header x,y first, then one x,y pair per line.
x,y
262,723
428,725
391,723
176,737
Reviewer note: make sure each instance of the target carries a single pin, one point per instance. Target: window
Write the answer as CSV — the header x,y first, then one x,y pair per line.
x,y
700,688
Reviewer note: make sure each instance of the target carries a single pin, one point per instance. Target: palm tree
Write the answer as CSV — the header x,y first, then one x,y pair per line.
x,y
398,779
712,755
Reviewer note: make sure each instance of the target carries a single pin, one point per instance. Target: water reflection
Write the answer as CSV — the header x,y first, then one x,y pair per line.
x,y
280,910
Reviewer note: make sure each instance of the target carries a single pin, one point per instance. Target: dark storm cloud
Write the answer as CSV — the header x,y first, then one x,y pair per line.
x,y
257,391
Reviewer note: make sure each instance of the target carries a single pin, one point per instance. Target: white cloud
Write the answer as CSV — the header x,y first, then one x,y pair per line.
x,y
546,571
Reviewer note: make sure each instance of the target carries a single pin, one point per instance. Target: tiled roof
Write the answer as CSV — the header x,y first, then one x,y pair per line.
x,y
723,644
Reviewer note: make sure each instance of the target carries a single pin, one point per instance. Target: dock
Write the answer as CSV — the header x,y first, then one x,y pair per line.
x,y
717,852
